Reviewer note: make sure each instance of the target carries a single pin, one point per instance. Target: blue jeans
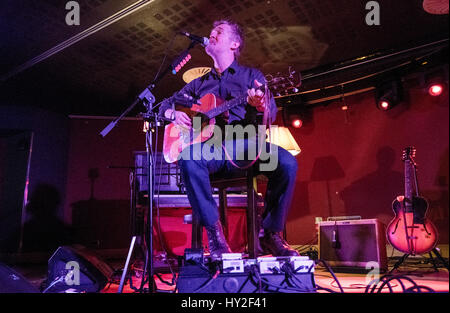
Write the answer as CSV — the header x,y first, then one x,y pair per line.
x,y
196,171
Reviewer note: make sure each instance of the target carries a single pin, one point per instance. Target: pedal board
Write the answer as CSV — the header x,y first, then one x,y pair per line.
x,y
234,274
234,263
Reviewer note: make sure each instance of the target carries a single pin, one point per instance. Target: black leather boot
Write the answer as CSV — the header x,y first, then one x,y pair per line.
x,y
216,241
273,243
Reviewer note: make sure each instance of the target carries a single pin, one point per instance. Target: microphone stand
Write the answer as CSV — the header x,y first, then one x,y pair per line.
x,y
154,120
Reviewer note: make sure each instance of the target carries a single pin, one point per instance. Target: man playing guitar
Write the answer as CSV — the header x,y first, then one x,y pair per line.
x,y
229,80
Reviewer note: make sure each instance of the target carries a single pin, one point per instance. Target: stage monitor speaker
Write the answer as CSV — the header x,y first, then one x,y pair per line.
x,y
76,269
13,282
351,245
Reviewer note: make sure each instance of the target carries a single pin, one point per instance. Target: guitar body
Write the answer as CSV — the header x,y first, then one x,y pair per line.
x,y
176,138
410,231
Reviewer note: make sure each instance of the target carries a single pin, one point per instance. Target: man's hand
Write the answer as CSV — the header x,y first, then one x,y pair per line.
x,y
181,118
256,97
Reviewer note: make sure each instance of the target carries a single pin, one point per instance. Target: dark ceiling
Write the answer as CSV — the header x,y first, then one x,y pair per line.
x,y
102,73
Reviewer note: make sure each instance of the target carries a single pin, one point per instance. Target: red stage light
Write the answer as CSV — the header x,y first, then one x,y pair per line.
x,y
297,123
384,105
388,95
435,90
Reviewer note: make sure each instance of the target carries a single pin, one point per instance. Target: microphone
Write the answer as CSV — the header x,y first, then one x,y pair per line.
x,y
201,40
334,240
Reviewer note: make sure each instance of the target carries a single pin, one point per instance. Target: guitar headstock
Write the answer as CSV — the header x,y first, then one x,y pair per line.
x,y
409,153
283,84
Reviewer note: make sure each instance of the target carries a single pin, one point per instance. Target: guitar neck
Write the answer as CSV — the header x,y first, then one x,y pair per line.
x,y
409,168
227,105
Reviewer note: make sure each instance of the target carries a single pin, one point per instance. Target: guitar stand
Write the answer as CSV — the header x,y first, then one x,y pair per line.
x,y
438,255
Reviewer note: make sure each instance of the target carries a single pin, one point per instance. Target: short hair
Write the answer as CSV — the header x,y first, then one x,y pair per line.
x,y
237,32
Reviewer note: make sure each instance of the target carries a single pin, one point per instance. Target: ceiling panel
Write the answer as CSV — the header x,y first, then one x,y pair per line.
x,y
117,62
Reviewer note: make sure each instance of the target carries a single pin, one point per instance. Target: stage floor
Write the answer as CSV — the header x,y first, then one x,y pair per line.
x,y
418,270
350,283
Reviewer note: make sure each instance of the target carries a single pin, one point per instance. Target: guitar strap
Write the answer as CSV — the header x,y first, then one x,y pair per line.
x,y
266,120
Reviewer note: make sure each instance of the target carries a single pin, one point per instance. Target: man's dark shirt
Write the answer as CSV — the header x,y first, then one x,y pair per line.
x,y
234,82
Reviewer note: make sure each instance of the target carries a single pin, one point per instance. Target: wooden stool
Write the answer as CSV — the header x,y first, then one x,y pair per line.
x,y
247,180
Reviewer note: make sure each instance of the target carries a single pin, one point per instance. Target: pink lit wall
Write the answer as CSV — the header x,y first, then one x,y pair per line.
x,y
350,164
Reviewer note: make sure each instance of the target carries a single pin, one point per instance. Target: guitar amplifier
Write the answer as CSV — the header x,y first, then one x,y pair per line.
x,y
353,244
